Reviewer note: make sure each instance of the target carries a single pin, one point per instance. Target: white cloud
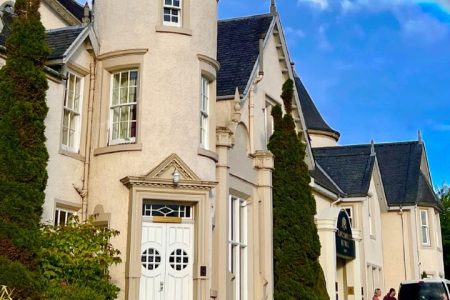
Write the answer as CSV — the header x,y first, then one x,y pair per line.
x,y
321,4
322,39
416,24
293,32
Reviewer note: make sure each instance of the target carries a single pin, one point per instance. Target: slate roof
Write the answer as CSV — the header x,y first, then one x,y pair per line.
x,y
313,118
350,167
323,179
73,7
238,50
59,40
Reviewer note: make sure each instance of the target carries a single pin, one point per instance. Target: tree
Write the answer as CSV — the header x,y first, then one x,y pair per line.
x,y
445,227
23,154
297,271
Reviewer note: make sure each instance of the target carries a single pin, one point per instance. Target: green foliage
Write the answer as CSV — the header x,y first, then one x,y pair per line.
x,y
77,256
23,283
72,292
23,154
445,227
297,272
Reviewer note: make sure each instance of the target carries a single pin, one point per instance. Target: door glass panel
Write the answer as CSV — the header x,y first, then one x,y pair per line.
x,y
150,259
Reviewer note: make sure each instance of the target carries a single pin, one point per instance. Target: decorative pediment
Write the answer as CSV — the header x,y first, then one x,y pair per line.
x,y
162,176
167,168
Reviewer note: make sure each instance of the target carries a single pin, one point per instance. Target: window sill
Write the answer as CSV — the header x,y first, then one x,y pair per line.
x,y
72,154
173,29
118,148
209,154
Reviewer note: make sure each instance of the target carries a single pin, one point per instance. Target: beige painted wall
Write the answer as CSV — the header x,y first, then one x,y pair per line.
x,y
50,19
65,168
169,102
319,140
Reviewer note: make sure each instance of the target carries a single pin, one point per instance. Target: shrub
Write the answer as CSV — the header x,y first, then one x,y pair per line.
x,y
24,283
78,255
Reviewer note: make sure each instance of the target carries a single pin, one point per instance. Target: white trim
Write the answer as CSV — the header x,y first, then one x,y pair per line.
x,y
424,225
176,8
131,139
204,112
57,216
238,246
76,112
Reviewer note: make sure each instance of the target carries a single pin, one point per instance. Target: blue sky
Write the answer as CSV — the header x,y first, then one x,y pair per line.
x,y
377,69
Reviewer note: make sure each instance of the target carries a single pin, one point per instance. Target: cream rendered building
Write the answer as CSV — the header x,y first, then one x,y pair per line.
x,y
161,133
386,191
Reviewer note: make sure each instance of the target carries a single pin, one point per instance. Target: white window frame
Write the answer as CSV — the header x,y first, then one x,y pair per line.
x,y
72,109
349,211
204,112
268,122
424,225
438,230
172,8
238,247
130,139
62,211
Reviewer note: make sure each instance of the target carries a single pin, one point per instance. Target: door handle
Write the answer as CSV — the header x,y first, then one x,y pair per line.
x,y
161,286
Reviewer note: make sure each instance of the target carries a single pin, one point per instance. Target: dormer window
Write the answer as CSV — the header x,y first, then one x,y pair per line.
x,y
172,13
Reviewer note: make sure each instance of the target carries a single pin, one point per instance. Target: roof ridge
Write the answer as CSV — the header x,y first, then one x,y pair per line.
x,y
65,28
245,17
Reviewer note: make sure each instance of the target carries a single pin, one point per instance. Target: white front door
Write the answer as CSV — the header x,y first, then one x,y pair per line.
x,y
166,261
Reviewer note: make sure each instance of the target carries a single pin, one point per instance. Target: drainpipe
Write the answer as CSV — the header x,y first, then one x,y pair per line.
x,y
251,104
87,149
417,239
403,242
336,202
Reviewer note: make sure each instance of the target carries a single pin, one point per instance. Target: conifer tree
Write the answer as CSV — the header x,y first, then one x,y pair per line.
x,y
23,154
297,271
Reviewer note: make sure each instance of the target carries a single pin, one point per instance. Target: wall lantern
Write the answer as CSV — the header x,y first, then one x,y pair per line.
x,y
176,177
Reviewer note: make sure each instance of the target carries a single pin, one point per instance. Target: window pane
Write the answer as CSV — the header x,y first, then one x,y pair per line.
x,y
115,131
424,235
56,218
423,217
124,80
132,92
76,104
133,78
124,113
176,3
123,132
168,2
62,217
123,95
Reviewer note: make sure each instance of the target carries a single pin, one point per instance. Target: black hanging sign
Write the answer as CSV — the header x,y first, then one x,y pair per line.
x,y
345,245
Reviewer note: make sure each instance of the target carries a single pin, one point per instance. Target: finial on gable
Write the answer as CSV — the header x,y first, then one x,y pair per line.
x,y
372,148
86,14
273,8
419,137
